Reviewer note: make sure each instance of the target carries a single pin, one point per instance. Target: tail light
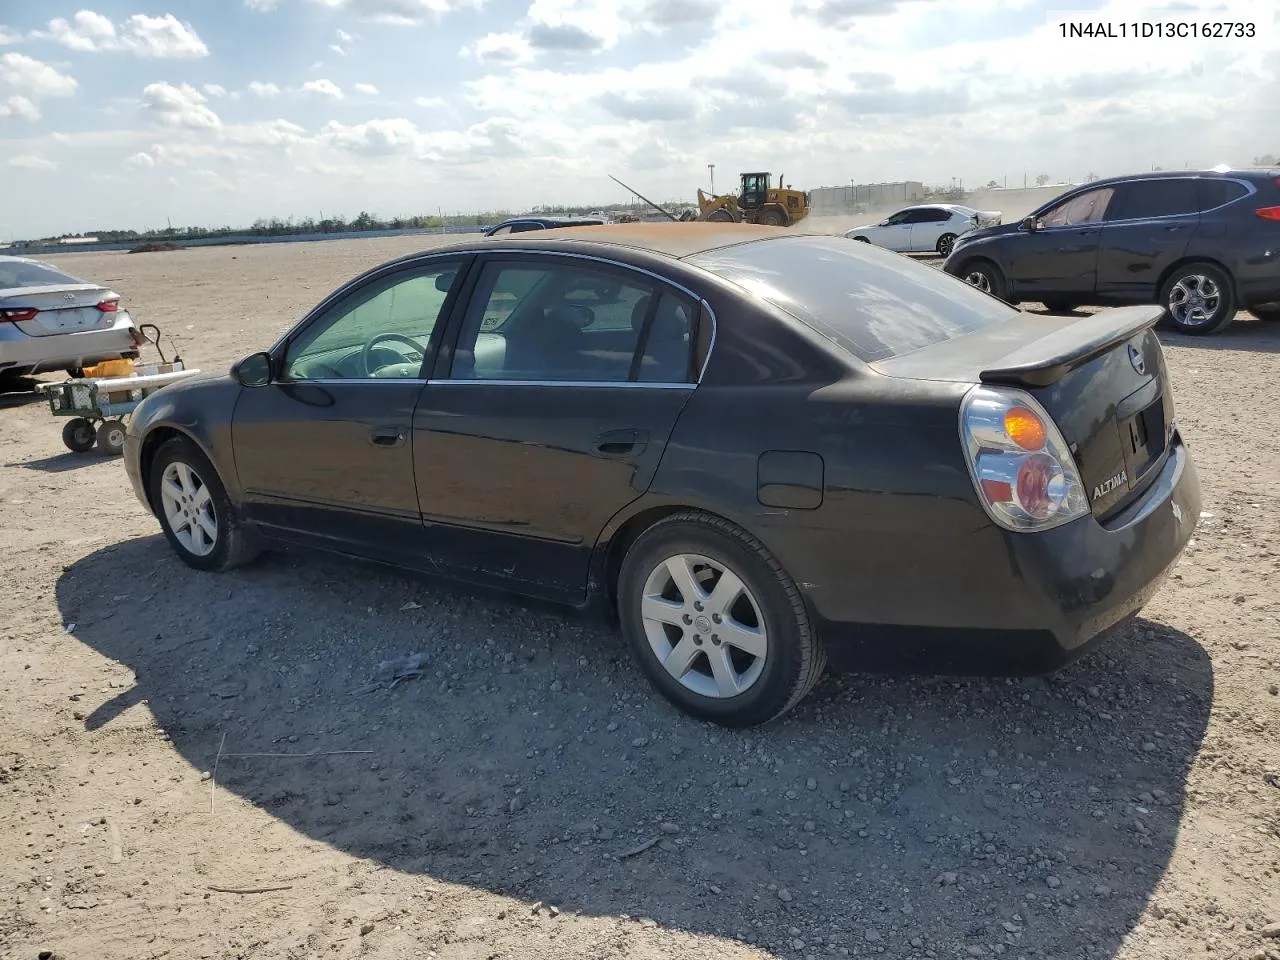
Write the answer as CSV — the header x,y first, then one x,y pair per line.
x,y
109,306
17,315
1022,469
1268,213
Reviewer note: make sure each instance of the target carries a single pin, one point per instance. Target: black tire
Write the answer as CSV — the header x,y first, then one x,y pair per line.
x,y
986,276
1060,306
78,435
773,216
111,438
862,239
1269,312
1197,277
234,545
945,243
795,658
720,215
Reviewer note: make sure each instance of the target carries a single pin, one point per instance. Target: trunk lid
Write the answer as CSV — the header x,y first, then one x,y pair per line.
x,y
1101,378
64,308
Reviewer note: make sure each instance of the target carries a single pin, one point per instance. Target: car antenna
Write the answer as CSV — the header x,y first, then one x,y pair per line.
x,y
666,213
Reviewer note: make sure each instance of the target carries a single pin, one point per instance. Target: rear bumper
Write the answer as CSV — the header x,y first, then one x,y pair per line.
x,y
23,354
1065,589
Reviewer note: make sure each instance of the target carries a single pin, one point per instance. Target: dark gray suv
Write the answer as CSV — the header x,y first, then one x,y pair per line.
x,y
1201,244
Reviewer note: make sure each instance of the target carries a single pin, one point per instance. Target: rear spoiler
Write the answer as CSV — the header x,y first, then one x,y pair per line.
x,y
1051,358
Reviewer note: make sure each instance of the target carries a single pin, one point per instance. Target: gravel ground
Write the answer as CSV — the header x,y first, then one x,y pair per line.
x,y
208,767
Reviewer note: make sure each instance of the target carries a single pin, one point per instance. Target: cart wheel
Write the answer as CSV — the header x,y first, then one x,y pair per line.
x,y
111,437
78,434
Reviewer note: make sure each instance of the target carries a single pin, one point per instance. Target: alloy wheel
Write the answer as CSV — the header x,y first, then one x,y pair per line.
x,y
704,626
188,509
1194,300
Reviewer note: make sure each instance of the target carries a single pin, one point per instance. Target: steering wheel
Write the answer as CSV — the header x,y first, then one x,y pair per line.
x,y
368,348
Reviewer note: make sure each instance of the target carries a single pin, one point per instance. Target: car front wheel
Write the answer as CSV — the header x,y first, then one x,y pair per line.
x,y
194,511
716,623
985,276
1198,299
1269,312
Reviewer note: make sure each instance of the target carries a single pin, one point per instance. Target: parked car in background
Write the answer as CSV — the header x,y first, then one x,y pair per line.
x,y
758,456
1200,244
525,224
50,320
925,228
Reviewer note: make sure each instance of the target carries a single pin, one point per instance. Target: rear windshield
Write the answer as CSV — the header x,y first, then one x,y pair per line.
x,y
873,303
28,273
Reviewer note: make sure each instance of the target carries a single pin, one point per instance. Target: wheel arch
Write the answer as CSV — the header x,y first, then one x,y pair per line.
x,y
1189,259
153,440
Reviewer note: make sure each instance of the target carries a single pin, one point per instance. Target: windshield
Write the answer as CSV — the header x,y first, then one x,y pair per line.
x,y
15,274
871,302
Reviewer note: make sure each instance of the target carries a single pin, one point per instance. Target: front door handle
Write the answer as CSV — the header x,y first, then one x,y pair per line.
x,y
387,436
621,442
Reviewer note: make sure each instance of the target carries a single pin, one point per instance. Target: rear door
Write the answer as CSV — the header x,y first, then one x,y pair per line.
x,y
927,225
550,415
1060,256
1146,230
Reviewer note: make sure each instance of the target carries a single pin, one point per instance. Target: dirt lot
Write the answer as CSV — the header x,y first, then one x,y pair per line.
x,y
1128,807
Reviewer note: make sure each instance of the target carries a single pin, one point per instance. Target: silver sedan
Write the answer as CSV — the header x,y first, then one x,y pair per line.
x,y
50,320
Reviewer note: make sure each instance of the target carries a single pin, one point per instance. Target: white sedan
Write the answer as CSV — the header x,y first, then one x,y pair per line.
x,y
925,228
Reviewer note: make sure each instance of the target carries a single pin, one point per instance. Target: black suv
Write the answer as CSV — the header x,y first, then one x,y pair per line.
x,y
1200,244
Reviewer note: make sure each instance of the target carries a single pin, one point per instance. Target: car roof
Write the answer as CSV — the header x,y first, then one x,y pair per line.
x,y
1254,173
672,239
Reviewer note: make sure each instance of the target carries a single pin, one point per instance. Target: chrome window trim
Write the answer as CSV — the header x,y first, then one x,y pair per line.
x,y
630,384
511,247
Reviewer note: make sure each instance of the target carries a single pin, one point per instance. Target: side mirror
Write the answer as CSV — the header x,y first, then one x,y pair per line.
x,y
253,371
1029,223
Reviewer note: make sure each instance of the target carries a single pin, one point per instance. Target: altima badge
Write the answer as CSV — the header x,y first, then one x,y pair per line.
x,y
1102,489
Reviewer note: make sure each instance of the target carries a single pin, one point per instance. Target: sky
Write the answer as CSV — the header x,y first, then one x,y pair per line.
x,y
135,113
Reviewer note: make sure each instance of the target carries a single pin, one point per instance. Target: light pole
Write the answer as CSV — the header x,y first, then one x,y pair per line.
x,y
711,169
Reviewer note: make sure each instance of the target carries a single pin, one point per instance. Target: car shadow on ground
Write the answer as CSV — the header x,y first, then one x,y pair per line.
x,y
62,462
898,815
1246,333
18,392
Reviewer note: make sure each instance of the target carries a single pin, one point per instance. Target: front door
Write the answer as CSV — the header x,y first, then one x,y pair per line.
x,y
324,453
1146,231
565,382
1060,256
894,233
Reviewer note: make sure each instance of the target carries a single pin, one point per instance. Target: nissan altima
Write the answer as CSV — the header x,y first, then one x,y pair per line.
x,y
758,452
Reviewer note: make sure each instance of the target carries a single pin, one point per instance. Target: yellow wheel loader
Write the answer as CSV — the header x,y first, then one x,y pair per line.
x,y
759,202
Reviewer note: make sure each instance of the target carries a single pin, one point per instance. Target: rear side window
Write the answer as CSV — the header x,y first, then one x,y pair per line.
x,y
1144,199
1215,193
873,303
15,274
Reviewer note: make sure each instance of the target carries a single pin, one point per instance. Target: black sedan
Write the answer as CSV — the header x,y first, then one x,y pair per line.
x,y
759,451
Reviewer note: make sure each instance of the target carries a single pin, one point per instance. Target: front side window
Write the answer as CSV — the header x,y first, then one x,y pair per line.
x,y
382,330
1087,207
897,218
556,322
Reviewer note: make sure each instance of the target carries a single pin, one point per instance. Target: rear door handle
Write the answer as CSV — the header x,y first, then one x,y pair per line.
x,y
621,442
387,436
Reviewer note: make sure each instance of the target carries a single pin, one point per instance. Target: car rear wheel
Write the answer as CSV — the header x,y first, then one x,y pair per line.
x,y
945,243
985,276
194,511
862,239
1060,306
78,435
716,623
1198,299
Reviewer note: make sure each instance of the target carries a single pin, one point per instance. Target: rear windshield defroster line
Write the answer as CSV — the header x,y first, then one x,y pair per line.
x,y
874,303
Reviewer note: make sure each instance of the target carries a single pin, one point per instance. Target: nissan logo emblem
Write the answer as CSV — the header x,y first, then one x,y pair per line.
x,y
1137,361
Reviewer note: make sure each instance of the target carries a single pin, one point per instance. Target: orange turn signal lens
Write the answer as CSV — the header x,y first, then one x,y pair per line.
x,y
1024,428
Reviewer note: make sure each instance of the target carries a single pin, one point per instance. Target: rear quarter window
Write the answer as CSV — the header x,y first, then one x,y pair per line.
x,y
1217,193
873,303
18,274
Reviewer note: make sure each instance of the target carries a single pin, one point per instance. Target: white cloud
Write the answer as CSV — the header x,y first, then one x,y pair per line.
x,y
261,6
215,89
322,88
29,161
7,36
401,12
263,90
140,161
429,103
19,106
163,37
374,137
368,89
34,77
179,106
505,48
